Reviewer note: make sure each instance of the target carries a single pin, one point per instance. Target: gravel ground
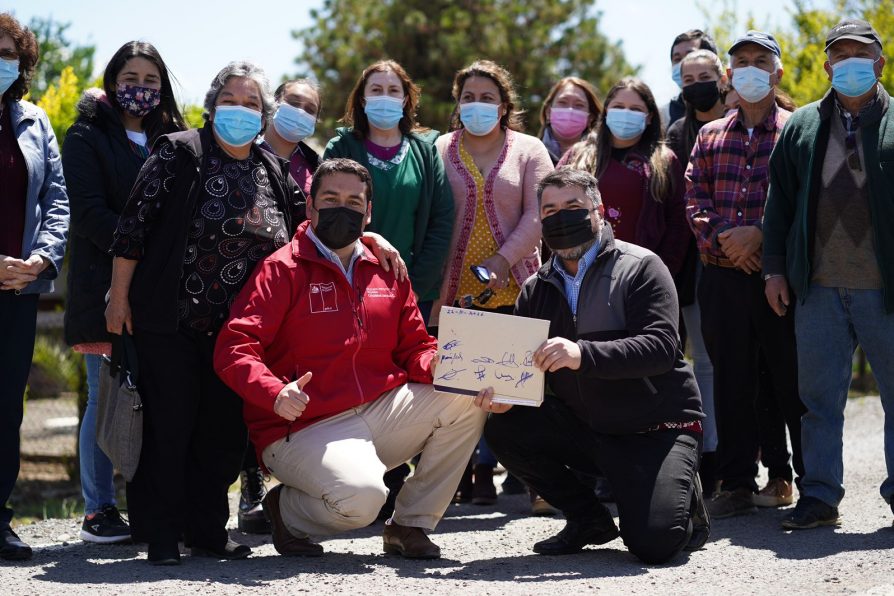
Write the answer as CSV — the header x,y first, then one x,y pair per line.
x,y
486,550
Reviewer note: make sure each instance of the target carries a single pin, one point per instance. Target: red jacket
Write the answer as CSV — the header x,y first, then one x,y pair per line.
x,y
298,313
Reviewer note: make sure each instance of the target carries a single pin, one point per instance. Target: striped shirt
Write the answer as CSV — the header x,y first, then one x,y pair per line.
x,y
728,176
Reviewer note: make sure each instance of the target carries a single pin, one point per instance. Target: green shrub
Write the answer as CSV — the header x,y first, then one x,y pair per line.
x,y
54,369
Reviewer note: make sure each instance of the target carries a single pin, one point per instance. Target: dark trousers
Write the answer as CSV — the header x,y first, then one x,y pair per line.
x,y
737,325
194,442
774,453
652,474
18,322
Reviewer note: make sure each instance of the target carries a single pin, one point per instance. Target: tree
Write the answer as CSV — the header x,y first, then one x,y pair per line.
x,y
538,41
803,42
56,53
193,115
60,102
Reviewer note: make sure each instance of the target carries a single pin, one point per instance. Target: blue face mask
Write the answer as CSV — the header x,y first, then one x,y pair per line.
x,y
677,75
236,125
854,77
479,118
9,72
384,112
293,124
751,83
625,124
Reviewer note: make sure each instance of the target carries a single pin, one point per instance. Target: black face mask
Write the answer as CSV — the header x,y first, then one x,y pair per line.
x,y
337,227
702,95
567,228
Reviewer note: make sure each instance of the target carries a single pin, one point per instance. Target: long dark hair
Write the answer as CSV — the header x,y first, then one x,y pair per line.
x,y
166,117
595,151
355,115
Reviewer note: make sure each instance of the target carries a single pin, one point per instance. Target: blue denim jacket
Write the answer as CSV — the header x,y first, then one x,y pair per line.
x,y
46,206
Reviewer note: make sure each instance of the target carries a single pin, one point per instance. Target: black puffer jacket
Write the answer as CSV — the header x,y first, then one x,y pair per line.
x,y
100,168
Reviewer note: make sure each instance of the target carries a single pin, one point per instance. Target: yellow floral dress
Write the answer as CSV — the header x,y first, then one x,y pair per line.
x,y
481,246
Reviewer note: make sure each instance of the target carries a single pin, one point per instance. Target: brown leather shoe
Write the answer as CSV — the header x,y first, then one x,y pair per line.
x,y
284,541
409,542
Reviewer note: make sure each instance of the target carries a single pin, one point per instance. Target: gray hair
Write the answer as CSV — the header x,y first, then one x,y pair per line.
x,y
568,176
240,68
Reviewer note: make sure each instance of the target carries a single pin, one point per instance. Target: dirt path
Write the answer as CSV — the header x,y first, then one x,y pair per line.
x,y
487,551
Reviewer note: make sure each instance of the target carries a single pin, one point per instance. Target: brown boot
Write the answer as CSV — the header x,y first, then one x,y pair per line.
x,y
409,542
284,541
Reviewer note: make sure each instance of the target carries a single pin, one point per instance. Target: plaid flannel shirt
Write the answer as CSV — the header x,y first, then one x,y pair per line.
x,y
728,176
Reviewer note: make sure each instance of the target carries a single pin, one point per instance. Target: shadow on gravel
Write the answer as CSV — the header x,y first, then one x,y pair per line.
x,y
589,564
77,564
762,531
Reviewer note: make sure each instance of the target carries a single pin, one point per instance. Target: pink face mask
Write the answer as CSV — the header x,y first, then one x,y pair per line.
x,y
568,122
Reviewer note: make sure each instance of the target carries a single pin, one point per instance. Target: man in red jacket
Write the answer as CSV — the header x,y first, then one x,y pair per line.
x,y
320,314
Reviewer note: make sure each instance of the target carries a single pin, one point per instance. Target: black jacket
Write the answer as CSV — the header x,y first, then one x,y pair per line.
x,y
100,169
156,282
632,374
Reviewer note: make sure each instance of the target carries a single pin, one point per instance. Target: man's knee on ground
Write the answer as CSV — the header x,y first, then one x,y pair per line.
x,y
656,545
356,505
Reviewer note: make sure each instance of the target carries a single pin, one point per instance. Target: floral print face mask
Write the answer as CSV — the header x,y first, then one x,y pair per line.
x,y
137,101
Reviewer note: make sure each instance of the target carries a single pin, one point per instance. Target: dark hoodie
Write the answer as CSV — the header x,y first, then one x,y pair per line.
x,y
100,168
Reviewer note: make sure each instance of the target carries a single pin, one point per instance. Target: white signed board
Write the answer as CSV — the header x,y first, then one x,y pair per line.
x,y
479,349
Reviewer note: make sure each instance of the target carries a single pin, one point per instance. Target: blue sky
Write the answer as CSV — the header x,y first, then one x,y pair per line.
x,y
197,38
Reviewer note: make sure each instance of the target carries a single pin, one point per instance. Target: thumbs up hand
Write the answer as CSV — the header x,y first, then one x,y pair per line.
x,y
292,400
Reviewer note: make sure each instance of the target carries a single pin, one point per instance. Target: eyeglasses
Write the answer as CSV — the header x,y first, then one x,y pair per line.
x,y
482,298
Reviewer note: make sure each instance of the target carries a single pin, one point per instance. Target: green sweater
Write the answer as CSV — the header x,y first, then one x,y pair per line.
x,y
434,212
795,180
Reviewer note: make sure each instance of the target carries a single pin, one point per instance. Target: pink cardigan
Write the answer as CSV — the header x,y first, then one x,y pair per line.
x,y
510,201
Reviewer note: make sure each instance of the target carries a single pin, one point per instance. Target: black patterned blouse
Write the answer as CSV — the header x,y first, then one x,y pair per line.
x,y
237,223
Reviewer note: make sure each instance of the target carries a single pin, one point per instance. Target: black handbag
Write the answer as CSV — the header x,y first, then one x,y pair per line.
x,y
119,420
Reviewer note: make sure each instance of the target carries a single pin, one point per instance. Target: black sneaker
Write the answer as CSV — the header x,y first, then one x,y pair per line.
x,y
251,514
105,527
11,546
810,512
231,551
578,534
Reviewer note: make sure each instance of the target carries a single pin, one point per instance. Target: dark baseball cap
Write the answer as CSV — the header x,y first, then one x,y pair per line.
x,y
760,38
853,29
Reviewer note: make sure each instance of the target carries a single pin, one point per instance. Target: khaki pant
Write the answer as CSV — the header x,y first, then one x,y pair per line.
x,y
332,470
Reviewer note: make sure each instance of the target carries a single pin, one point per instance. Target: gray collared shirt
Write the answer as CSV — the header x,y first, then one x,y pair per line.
x,y
329,254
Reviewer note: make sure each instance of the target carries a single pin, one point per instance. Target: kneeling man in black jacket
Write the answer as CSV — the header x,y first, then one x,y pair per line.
x,y
619,395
